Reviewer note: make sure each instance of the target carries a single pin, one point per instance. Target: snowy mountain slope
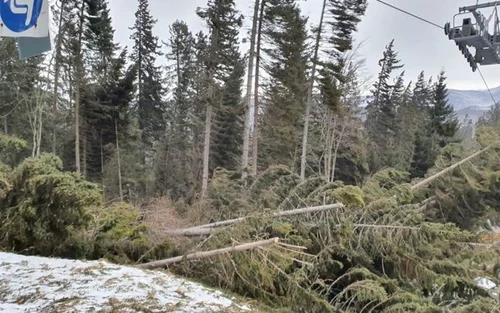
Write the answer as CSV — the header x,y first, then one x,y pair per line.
x,y
461,99
470,104
36,285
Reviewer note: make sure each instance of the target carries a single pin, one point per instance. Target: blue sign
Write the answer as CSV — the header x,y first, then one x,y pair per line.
x,y
20,15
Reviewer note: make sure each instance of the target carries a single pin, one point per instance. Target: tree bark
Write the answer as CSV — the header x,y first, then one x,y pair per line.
x,y
246,132
84,131
255,137
336,151
79,78
208,254
56,77
330,139
118,161
208,117
102,166
206,150
305,137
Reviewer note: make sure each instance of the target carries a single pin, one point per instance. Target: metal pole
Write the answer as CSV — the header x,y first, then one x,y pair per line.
x,y
478,6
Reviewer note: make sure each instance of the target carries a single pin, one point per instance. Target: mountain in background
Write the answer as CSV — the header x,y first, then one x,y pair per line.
x,y
468,104
472,104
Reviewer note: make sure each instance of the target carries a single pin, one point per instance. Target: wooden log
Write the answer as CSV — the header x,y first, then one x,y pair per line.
x,y
432,178
207,229
208,254
189,232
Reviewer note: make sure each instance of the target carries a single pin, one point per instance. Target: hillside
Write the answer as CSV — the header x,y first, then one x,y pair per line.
x,y
468,104
35,284
463,99
472,104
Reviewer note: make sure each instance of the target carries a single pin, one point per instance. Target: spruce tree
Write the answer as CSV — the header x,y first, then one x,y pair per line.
x,y
174,173
286,92
381,111
444,124
100,58
99,38
228,68
150,104
437,124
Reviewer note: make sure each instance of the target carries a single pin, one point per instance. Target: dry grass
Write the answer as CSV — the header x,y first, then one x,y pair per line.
x,y
160,215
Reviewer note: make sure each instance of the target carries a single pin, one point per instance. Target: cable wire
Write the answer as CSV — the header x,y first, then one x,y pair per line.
x,y
415,16
434,24
487,87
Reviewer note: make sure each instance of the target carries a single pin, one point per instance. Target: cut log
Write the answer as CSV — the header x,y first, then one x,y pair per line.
x,y
278,214
432,178
189,232
207,229
208,254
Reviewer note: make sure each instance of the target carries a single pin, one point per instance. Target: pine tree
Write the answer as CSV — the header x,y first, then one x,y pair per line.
x,y
149,100
285,29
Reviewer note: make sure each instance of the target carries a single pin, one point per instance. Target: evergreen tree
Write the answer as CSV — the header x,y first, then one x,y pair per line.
x,y
174,174
407,115
345,15
437,125
100,58
99,38
444,124
228,69
149,100
286,90
381,111
422,93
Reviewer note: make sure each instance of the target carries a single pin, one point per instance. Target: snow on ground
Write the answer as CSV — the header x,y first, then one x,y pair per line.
x,y
35,284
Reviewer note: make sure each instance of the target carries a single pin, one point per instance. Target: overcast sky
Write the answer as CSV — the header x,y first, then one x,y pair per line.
x,y
420,45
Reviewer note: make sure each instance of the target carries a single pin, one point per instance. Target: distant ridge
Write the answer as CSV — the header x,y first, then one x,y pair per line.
x,y
461,99
468,104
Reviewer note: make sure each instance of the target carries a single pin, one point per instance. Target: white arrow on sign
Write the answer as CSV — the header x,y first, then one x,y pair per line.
x,y
22,7
24,18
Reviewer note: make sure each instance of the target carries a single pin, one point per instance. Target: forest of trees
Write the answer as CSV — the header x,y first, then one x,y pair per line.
x,y
224,133
142,129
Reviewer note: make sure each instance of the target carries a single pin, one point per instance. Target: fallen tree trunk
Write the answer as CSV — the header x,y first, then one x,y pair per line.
x,y
207,229
432,178
279,214
208,254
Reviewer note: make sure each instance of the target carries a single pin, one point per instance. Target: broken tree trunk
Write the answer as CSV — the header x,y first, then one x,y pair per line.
x,y
432,178
208,254
206,229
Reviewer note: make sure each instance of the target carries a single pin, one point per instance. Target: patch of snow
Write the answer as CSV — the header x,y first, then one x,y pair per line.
x,y
34,284
487,284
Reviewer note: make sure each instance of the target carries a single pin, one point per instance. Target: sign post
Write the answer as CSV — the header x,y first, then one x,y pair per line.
x,y
28,21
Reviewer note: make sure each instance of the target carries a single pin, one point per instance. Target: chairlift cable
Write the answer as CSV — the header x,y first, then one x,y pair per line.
x,y
440,27
487,87
415,16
